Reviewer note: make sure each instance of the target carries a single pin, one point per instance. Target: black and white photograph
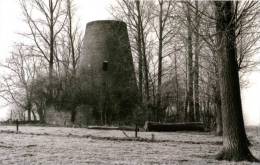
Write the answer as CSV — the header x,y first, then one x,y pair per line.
x,y
129,82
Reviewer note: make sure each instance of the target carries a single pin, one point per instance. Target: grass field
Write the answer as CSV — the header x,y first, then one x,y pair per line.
x,y
59,145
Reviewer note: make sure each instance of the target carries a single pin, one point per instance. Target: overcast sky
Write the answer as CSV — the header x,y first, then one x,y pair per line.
x,y
90,10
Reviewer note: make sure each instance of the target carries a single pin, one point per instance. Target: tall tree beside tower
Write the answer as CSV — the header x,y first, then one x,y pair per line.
x,y
235,145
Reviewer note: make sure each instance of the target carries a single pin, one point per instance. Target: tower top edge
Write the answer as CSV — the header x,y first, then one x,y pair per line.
x,y
103,22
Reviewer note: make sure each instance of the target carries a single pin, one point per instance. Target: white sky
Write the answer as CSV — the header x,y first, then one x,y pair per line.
x,y
90,10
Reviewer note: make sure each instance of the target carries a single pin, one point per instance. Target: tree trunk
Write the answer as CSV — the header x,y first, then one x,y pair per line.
x,y
71,39
40,112
146,69
235,145
34,116
177,89
196,67
145,66
190,68
51,47
139,49
219,123
159,113
29,108
73,115
29,114
185,105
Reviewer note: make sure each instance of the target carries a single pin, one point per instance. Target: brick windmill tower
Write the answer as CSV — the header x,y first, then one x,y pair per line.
x,y
107,71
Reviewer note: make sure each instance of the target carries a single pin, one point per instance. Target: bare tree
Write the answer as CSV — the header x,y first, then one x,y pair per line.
x,y
139,49
16,85
44,29
196,64
246,12
235,145
74,46
137,15
164,11
190,66
74,36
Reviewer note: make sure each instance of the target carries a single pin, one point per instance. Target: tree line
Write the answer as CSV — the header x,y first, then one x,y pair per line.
x,y
42,67
191,58
174,45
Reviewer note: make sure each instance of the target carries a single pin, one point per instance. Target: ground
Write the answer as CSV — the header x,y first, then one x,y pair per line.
x,y
59,145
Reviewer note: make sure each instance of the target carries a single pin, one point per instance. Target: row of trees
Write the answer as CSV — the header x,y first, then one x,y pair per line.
x,y
42,67
191,57
175,50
